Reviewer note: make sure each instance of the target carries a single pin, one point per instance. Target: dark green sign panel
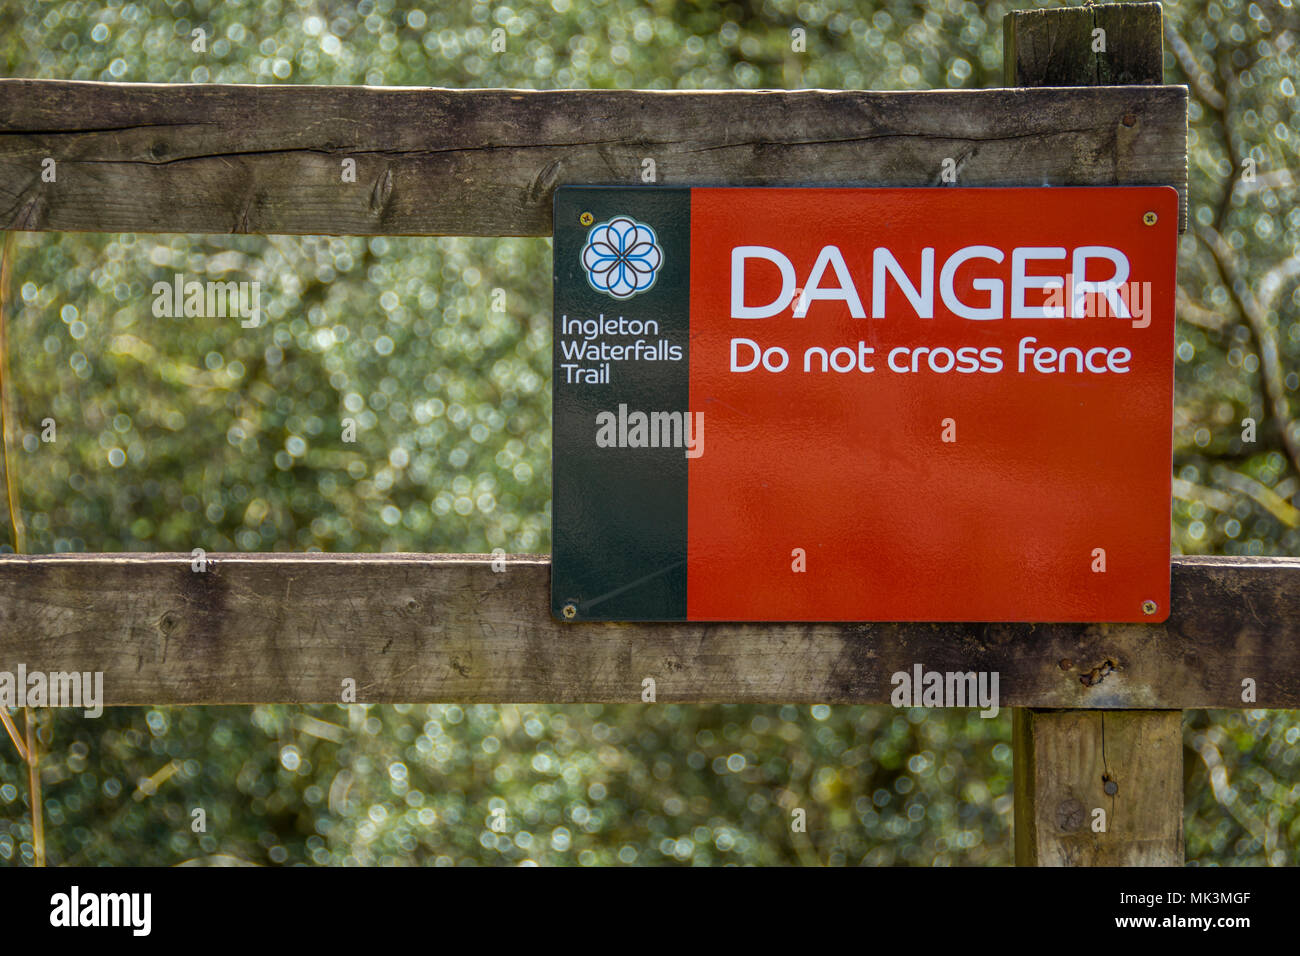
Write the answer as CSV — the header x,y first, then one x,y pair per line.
x,y
621,341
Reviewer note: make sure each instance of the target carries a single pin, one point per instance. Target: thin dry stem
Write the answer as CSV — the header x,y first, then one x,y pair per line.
x,y
32,753
13,732
34,786
11,492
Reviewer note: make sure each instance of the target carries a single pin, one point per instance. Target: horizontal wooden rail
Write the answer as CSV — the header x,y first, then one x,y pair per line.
x,y
268,159
413,628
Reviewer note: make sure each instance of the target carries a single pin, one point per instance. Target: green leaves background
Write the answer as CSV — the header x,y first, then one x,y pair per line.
x,y
182,433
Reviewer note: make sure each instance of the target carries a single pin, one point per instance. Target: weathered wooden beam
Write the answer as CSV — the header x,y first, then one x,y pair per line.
x,y
412,628
268,159
1098,788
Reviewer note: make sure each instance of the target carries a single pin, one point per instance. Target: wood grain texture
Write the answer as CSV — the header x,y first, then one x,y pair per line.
x,y
1070,764
267,159
1055,47
415,628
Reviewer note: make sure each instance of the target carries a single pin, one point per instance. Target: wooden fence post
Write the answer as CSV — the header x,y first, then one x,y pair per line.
x,y
1098,787
1104,787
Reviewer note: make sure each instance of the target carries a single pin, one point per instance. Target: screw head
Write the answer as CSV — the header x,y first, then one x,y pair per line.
x,y
1150,218
570,612
586,219
1129,119
1150,607
1111,788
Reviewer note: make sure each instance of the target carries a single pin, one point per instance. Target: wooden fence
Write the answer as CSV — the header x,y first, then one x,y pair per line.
x,y
1100,724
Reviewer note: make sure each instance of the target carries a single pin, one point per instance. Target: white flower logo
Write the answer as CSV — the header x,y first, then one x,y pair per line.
x,y
621,257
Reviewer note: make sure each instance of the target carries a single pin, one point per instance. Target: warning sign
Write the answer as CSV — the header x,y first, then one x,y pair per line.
x,y
863,404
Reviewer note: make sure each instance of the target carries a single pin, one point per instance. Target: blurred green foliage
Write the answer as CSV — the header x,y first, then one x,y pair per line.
x,y
181,433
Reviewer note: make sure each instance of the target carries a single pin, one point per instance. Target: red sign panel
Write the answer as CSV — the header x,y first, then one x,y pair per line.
x,y
930,404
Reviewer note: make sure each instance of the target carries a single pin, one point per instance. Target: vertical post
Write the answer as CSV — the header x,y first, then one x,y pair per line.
x,y
1110,44
1098,787
1103,787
